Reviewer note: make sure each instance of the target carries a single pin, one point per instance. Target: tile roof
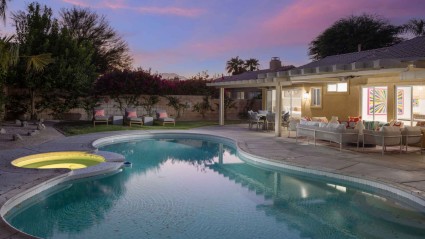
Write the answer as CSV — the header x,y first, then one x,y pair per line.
x,y
250,75
408,50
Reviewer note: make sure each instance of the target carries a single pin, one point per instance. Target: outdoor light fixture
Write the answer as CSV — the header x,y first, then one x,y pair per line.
x,y
305,95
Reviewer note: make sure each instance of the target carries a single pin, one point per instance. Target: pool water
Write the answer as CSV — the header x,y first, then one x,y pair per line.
x,y
189,188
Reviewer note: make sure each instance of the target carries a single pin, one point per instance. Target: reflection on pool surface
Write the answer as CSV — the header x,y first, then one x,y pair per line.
x,y
70,159
185,188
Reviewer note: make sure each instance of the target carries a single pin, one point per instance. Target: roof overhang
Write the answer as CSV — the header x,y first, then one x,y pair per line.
x,y
343,75
266,82
412,69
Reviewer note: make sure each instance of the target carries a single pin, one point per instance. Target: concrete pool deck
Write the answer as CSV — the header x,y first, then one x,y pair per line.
x,y
404,171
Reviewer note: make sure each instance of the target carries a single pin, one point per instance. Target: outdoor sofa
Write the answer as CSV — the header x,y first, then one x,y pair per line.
x,y
332,132
386,136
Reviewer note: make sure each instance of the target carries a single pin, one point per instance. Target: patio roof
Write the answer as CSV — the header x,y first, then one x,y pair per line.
x,y
250,77
386,60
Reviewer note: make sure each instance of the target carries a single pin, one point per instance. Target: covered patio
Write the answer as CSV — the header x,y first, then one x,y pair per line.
x,y
380,85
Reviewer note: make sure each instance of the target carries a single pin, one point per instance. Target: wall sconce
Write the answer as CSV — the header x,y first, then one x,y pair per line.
x,y
306,95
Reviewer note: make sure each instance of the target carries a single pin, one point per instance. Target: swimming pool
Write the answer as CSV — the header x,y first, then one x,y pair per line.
x,y
200,188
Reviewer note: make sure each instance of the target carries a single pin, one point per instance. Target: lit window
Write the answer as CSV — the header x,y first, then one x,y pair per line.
x,y
316,97
338,87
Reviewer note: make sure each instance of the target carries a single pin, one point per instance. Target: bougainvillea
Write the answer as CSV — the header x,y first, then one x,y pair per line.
x,y
142,82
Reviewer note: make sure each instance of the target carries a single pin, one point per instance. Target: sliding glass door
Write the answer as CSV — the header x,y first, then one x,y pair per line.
x,y
291,102
410,103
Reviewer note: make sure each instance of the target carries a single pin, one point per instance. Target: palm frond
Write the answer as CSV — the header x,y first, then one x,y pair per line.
x,y
39,62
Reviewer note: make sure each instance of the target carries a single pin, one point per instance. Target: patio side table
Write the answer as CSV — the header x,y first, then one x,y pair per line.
x,y
148,120
117,120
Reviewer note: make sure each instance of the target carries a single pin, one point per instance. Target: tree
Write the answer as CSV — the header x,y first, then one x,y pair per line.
x,y
203,107
235,66
415,27
252,64
111,51
347,34
71,78
33,33
175,103
229,103
148,102
3,7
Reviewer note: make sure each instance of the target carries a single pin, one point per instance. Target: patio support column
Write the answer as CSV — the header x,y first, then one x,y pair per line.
x,y
264,99
278,110
221,113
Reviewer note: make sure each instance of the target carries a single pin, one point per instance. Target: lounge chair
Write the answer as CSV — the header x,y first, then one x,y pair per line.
x,y
100,117
162,118
131,117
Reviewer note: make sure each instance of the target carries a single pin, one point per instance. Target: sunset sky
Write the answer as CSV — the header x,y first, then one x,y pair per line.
x,y
189,36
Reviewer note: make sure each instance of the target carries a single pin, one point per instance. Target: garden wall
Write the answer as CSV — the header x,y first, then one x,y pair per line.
x,y
187,115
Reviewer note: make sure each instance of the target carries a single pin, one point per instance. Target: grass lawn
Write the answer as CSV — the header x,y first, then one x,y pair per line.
x,y
85,127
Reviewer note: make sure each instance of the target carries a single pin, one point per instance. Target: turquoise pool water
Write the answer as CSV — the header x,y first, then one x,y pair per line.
x,y
189,188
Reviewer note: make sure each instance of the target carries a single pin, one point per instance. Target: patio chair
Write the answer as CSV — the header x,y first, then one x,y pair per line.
x,y
270,117
162,117
388,136
131,117
100,117
256,119
285,120
292,126
412,135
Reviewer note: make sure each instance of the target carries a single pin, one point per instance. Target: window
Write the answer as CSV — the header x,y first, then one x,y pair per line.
x,y
338,87
240,95
316,97
252,95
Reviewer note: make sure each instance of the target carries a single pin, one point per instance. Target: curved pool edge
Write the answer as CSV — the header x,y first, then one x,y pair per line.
x,y
7,231
397,190
113,163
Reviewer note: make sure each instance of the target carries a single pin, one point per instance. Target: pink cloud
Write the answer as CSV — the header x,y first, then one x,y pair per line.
x,y
171,11
77,3
300,22
121,5
304,20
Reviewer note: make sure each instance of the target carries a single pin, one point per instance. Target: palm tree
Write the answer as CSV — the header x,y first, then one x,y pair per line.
x,y
235,66
415,26
9,53
3,7
252,64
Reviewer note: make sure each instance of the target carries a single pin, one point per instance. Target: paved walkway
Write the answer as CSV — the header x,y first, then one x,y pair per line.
x,y
404,171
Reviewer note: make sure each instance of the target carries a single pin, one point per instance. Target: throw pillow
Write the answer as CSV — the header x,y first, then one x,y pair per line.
x,y
99,112
162,115
360,127
132,114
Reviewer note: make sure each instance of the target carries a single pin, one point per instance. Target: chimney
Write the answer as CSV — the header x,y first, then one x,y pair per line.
x,y
359,47
275,63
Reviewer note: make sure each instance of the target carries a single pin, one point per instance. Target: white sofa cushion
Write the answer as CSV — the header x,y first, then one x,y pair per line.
x,y
323,124
411,130
334,125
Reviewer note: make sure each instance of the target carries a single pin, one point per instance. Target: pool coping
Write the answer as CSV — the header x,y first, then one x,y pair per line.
x,y
240,144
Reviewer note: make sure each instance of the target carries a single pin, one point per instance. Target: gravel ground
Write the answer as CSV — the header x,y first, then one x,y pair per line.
x,y
6,140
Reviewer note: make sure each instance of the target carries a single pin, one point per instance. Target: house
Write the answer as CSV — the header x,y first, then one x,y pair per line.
x,y
380,84
251,92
